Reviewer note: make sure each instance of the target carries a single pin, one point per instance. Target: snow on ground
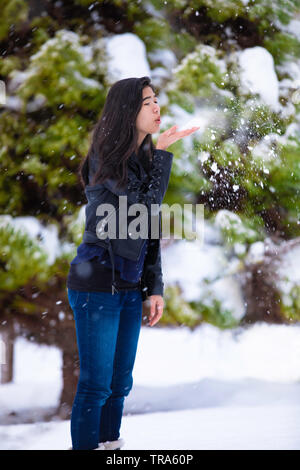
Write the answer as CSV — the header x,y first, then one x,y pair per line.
x,y
201,389
34,384
212,428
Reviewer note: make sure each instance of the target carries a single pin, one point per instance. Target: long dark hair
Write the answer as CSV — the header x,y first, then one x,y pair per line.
x,y
115,135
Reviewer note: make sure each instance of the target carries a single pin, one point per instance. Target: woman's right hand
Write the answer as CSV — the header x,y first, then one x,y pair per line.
x,y
170,136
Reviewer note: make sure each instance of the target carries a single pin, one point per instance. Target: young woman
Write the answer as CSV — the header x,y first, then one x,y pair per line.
x,y
111,277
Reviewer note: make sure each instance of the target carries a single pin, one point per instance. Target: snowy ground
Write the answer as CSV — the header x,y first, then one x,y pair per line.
x,y
205,389
275,426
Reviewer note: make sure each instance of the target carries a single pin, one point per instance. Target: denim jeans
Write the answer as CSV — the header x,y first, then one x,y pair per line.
x,y
107,331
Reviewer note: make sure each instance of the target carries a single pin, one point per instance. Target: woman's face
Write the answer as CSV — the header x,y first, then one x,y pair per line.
x,y
146,122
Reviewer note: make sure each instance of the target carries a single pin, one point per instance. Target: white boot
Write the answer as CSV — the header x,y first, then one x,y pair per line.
x,y
113,445
100,447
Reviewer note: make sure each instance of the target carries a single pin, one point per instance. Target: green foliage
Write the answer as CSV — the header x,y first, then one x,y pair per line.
x,y
227,154
269,10
41,26
13,14
183,43
264,16
284,181
182,99
273,181
212,311
63,69
222,10
157,34
260,120
290,305
8,64
22,260
178,311
11,193
200,73
205,76
75,226
154,32
42,155
283,46
269,178
238,228
66,136
219,10
216,162
45,162
62,74
19,304
86,3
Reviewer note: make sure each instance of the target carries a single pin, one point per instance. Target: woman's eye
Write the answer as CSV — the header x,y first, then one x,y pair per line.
x,y
146,104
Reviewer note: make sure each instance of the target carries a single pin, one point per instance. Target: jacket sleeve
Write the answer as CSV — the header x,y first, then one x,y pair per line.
x,y
152,278
150,190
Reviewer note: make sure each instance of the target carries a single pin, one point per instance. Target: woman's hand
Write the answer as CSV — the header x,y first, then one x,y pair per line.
x,y
156,309
170,136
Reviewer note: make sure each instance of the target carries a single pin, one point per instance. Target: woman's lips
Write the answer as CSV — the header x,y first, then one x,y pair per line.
x,y
158,121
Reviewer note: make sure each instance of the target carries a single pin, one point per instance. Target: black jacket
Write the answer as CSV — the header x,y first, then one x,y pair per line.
x,y
142,187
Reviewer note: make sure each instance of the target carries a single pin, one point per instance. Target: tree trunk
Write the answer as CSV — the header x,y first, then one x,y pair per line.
x,y
70,379
259,282
7,353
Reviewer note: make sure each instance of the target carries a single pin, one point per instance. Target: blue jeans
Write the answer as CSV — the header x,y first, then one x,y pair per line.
x,y
107,331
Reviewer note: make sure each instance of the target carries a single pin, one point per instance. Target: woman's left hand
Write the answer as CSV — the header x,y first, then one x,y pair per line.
x,y
156,309
171,135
